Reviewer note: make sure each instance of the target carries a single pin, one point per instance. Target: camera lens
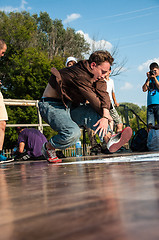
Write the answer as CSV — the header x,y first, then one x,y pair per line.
x,y
151,73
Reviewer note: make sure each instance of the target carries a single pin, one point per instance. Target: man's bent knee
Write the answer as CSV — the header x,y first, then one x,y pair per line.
x,y
74,136
66,139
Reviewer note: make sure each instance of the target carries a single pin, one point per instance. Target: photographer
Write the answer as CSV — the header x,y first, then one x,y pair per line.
x,y
152,86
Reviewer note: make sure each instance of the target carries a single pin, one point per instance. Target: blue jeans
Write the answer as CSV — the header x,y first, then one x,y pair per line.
x,y
66,121
153,114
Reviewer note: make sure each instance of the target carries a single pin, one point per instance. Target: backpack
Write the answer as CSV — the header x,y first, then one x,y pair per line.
x,y
139,141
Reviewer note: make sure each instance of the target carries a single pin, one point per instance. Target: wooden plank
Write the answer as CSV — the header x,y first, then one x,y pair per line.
x,y
90,201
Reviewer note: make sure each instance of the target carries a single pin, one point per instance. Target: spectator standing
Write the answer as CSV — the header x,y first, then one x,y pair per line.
x,y
3,112
152,87
70,61
113,112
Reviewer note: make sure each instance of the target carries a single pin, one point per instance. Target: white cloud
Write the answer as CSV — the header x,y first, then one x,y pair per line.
x,y
8,9
127,86
15,9
144,66
96,45
71,17
23,3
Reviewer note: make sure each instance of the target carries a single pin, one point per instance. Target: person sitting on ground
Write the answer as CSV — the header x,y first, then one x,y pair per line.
x,y
70,61
30,142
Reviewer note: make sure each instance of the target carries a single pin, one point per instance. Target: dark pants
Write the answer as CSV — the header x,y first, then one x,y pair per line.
x,y
153,114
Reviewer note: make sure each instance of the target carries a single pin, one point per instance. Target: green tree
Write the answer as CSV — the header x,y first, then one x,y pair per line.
x,y
18,30
132,106
57,40
35,44
26,77
26,74
133,121
75,44
141,112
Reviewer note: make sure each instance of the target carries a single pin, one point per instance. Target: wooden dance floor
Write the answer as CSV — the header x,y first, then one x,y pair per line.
x,y
81,199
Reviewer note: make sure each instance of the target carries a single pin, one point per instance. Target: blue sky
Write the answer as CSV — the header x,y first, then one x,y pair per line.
x,y
130,26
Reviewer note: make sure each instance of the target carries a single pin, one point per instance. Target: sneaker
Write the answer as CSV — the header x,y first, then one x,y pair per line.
x,y
22,157
4,159
50,154
119,139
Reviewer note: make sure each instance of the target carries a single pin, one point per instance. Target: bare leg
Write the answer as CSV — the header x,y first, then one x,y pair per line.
x,y
107,137
119,127
2,133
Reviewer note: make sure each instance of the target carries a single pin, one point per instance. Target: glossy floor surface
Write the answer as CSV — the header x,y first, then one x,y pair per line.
x,y
87,201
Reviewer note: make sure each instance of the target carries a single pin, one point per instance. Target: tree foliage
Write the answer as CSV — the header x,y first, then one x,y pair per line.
x,y
133,121
132,106
58,41
18,30
34,45
141,112
26,74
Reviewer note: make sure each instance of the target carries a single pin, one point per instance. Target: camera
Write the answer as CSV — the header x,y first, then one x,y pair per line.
x,y
151,73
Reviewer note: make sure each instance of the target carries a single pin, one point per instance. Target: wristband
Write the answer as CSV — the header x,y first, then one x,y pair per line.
x,y
105,117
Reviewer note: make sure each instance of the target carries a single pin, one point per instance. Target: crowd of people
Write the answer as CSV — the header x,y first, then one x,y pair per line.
x,y
81,94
